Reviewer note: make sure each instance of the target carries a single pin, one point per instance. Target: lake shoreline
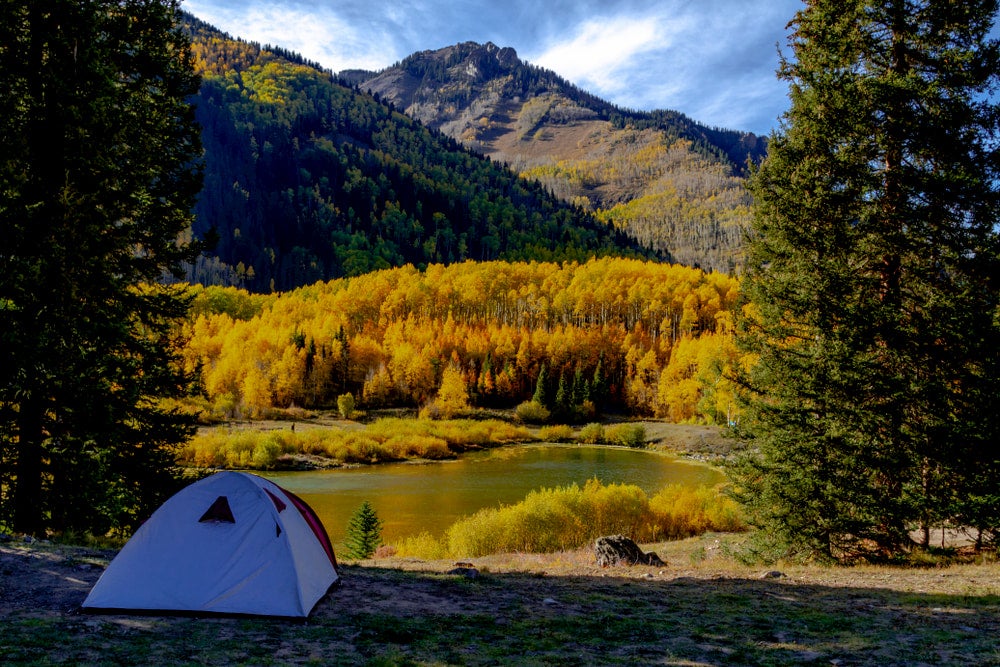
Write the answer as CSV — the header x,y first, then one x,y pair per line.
x,y
415,498
703,443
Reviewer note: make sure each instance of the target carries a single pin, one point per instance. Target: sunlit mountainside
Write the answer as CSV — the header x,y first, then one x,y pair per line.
x,y
311,176
671,183
307,179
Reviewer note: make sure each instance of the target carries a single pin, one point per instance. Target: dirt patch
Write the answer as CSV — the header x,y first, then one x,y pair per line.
x,y
700,608
696,441
45,579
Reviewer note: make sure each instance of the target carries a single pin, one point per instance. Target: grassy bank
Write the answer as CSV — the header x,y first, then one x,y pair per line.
x,y
388,439
324,441
701,609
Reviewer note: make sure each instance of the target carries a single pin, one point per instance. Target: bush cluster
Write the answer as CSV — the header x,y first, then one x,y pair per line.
x,y
569,517
623,435
384,440
532,412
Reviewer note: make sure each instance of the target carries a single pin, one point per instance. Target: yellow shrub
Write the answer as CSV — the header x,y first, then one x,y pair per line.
x,y
626,435
385,440
558,433
360,449
592,434
416,446
682,511
266,451
424,546
553,520
619,509
569,517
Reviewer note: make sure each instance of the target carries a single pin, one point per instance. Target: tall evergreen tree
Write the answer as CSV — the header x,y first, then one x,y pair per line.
x,y
872,283
564,397
599,385
541,393
97,181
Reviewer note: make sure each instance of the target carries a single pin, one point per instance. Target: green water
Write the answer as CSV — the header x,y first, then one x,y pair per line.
x,y
411,498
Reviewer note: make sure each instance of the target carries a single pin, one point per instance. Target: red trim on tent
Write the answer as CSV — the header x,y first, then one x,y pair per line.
x,y
276,500
314,523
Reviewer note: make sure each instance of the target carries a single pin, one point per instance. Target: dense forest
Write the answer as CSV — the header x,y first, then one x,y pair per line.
x,y
306,179
688,208
610,334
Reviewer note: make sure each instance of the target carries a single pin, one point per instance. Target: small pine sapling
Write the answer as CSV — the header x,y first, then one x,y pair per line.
x,y
364,532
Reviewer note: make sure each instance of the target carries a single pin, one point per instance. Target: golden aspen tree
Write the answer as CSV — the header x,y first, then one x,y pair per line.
x,y
453,396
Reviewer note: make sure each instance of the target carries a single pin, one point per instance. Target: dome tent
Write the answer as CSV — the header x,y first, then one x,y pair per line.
x,y
232,543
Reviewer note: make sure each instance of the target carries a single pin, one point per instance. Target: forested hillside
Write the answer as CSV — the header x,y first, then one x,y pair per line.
x,y
308,180
673,184
610,334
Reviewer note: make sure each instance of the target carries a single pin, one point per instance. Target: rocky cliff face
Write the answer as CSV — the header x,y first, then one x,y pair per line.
x,y
468,91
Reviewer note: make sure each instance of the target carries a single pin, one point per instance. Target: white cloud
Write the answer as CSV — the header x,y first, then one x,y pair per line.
x,y
713,61
601,51
315,32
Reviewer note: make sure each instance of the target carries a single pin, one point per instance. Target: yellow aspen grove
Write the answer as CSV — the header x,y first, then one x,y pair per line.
x,y
390,337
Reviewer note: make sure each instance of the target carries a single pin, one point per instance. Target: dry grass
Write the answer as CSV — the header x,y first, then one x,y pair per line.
x,y
387,439
700,609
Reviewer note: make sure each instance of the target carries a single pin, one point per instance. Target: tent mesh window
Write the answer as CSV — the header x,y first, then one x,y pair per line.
x,y
219,512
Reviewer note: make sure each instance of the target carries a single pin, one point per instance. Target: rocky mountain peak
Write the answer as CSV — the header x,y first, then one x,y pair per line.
x,y
671,182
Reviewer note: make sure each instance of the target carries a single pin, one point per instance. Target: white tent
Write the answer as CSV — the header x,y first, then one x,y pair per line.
x,y
231,543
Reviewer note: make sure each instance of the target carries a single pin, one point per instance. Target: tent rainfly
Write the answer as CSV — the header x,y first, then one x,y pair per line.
x,y
232,543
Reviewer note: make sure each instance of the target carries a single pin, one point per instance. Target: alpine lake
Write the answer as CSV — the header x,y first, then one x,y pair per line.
x,y
411,498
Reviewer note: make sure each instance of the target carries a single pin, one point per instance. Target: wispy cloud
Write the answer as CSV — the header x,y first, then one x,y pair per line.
x,y
317,31
601,52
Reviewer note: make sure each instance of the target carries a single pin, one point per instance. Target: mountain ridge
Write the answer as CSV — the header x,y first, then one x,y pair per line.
x,y
309,178
306,179
671,183
487,63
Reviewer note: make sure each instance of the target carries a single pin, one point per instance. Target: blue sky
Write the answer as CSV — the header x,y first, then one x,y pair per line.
x,y
713,60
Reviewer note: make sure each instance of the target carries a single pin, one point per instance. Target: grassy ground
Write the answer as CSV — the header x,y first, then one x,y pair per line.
x,y
700,609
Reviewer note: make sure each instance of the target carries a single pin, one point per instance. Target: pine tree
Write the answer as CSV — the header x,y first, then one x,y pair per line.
x,y
540,395
97,182
581,389
364,532
599,385
872,283
564,397
344,366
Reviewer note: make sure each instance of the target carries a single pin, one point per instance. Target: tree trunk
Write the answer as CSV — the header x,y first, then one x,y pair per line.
x,y
28,471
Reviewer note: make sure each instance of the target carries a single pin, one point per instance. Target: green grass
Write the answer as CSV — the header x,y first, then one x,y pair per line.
x,y
714,613
745,630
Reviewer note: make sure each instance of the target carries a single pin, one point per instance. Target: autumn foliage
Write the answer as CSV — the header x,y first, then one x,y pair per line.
x,y
569,517
382,441
642,337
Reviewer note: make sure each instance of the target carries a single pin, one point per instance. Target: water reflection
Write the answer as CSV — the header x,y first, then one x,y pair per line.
x,y
411,498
